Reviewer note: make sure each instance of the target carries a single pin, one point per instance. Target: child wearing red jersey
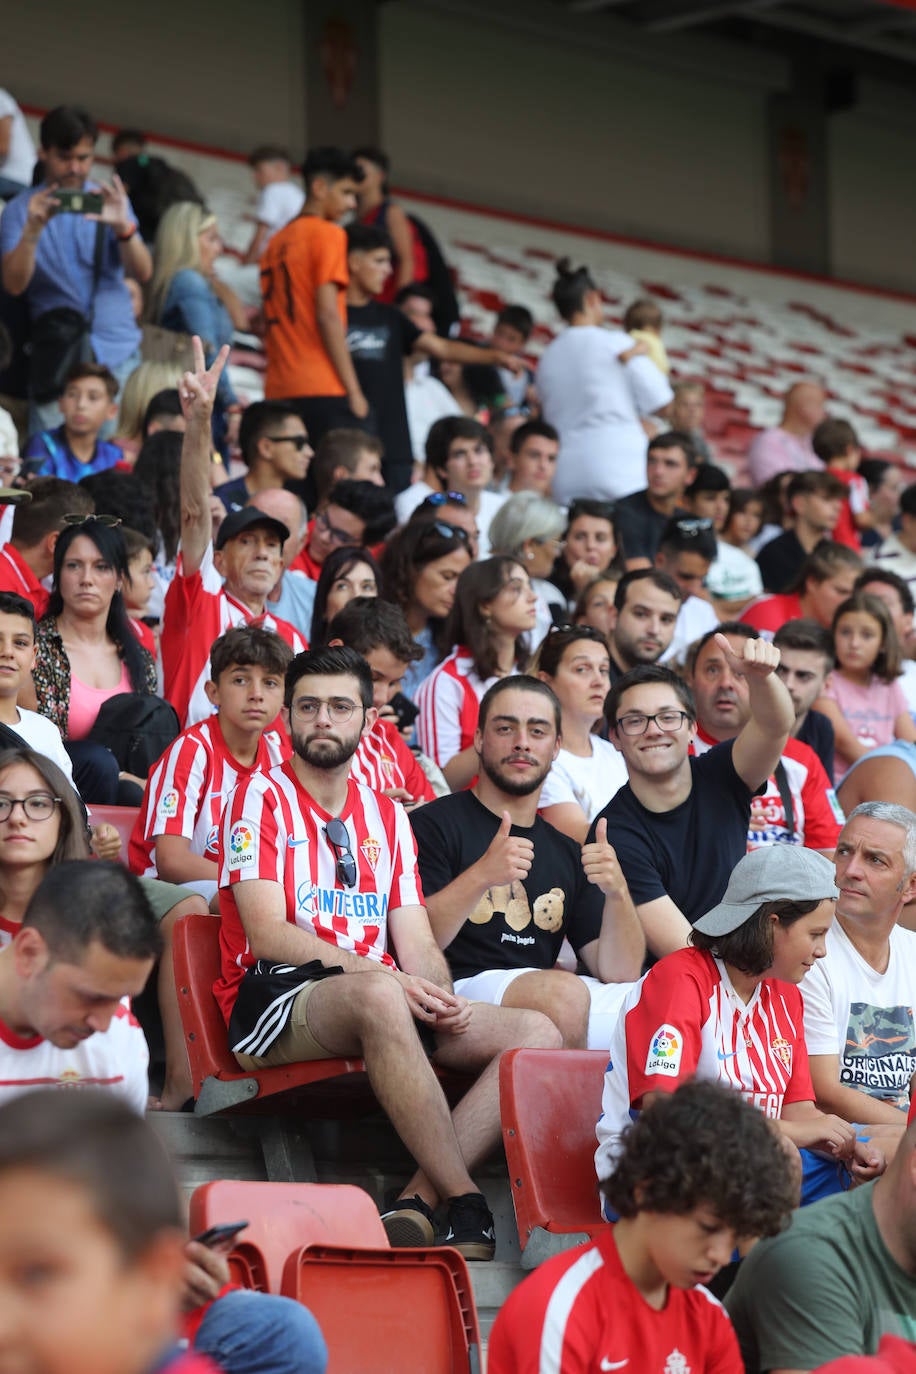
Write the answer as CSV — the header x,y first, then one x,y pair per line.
x,y
729,1008
175,834
697,1172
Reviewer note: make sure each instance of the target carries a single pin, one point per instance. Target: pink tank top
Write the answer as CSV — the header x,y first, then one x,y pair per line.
x,y
86,701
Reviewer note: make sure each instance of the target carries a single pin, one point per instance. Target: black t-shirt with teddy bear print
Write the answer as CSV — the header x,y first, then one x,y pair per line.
x,y
521,926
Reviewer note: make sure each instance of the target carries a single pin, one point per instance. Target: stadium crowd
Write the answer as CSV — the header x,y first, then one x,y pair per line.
x,y
481,709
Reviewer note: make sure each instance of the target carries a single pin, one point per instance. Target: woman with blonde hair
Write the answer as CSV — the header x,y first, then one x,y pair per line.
x,y
186,296
145,382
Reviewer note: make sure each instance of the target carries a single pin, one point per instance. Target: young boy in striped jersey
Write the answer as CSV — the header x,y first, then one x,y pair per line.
x,y
175,836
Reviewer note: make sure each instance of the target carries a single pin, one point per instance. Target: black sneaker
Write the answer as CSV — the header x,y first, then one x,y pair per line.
x,y
470,1227
409,1222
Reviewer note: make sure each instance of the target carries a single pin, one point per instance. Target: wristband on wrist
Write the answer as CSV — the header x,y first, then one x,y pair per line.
x,y
125,238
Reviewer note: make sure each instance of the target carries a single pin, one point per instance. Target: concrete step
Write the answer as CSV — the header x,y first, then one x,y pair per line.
x,y
365,1152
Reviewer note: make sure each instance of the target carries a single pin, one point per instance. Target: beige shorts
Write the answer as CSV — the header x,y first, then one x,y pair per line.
x,y
295,1044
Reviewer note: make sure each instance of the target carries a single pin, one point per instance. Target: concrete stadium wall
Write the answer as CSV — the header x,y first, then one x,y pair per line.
x,y
512,104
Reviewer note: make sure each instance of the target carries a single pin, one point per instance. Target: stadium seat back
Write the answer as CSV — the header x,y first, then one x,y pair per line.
x,y
380,1310
123,818
220,1084
282,1218
550,1101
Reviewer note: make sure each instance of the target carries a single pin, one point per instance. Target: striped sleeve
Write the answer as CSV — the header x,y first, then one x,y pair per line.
x,y
249,837
440,700
405,878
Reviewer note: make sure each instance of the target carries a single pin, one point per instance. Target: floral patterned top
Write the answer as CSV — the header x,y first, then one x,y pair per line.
x,y
52,674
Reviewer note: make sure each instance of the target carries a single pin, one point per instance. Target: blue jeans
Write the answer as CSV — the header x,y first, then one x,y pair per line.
x,y
259,1333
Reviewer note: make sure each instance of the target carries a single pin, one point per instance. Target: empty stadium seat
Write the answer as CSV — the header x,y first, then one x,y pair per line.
x,y
123,818
549,1103
407,1311
282,1219
220,1085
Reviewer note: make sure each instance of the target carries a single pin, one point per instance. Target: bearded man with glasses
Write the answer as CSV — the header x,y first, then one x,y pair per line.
x,y
680,824
327,950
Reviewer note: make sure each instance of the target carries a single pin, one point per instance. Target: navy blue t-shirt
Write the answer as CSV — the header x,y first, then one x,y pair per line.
x,y
687,853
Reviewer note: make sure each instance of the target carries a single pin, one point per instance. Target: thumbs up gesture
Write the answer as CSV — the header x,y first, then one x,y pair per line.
x,y
599,861
508,858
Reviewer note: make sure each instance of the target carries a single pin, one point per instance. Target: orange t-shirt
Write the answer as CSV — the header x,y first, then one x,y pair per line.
x,y
298,259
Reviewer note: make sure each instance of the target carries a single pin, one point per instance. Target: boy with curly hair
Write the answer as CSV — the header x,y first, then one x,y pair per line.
x,y
700,1171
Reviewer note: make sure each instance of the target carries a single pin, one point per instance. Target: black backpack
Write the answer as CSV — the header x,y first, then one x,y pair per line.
x,y
137,729
439,279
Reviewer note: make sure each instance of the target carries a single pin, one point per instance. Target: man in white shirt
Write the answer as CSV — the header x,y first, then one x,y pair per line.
x,y
87,943
860,998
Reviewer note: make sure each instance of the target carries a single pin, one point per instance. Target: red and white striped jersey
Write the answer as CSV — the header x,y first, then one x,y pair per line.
x,y
198,609
818,817
273,830
383,760
117,1058
685,1020
449,702
189,786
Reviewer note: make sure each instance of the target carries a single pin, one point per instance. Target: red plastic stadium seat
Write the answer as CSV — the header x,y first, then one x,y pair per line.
x,y
220,1085
123,818
549,1102
282,1218
409,1310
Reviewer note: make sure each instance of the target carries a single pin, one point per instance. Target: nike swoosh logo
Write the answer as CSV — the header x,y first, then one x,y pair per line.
x,y
291,842
612,1364
730,1054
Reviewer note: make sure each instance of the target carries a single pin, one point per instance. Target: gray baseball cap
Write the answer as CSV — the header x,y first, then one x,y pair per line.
x,y
775,873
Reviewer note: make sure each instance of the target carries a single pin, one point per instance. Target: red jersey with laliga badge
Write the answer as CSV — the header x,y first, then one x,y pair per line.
x,y
188,788
581,1312
273,830
685,1020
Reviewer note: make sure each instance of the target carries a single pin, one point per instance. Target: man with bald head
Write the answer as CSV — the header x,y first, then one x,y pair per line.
x,y
860,998
787,446
293,597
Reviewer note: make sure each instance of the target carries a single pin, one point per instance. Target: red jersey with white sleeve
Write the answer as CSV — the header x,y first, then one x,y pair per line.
x,y
16,576
383,760
198,609
768,613
274,831
685,1020
189,786
580,1312
817,817
117,1058
856,503
449,702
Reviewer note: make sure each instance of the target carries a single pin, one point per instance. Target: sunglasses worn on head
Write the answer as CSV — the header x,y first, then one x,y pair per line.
x,y
446,531
693,527
339,840
109,521
439,498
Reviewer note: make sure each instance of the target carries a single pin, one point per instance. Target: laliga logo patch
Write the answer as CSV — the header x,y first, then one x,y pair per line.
x,y
665,1049
241,846
372,850
168,807
783,1051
